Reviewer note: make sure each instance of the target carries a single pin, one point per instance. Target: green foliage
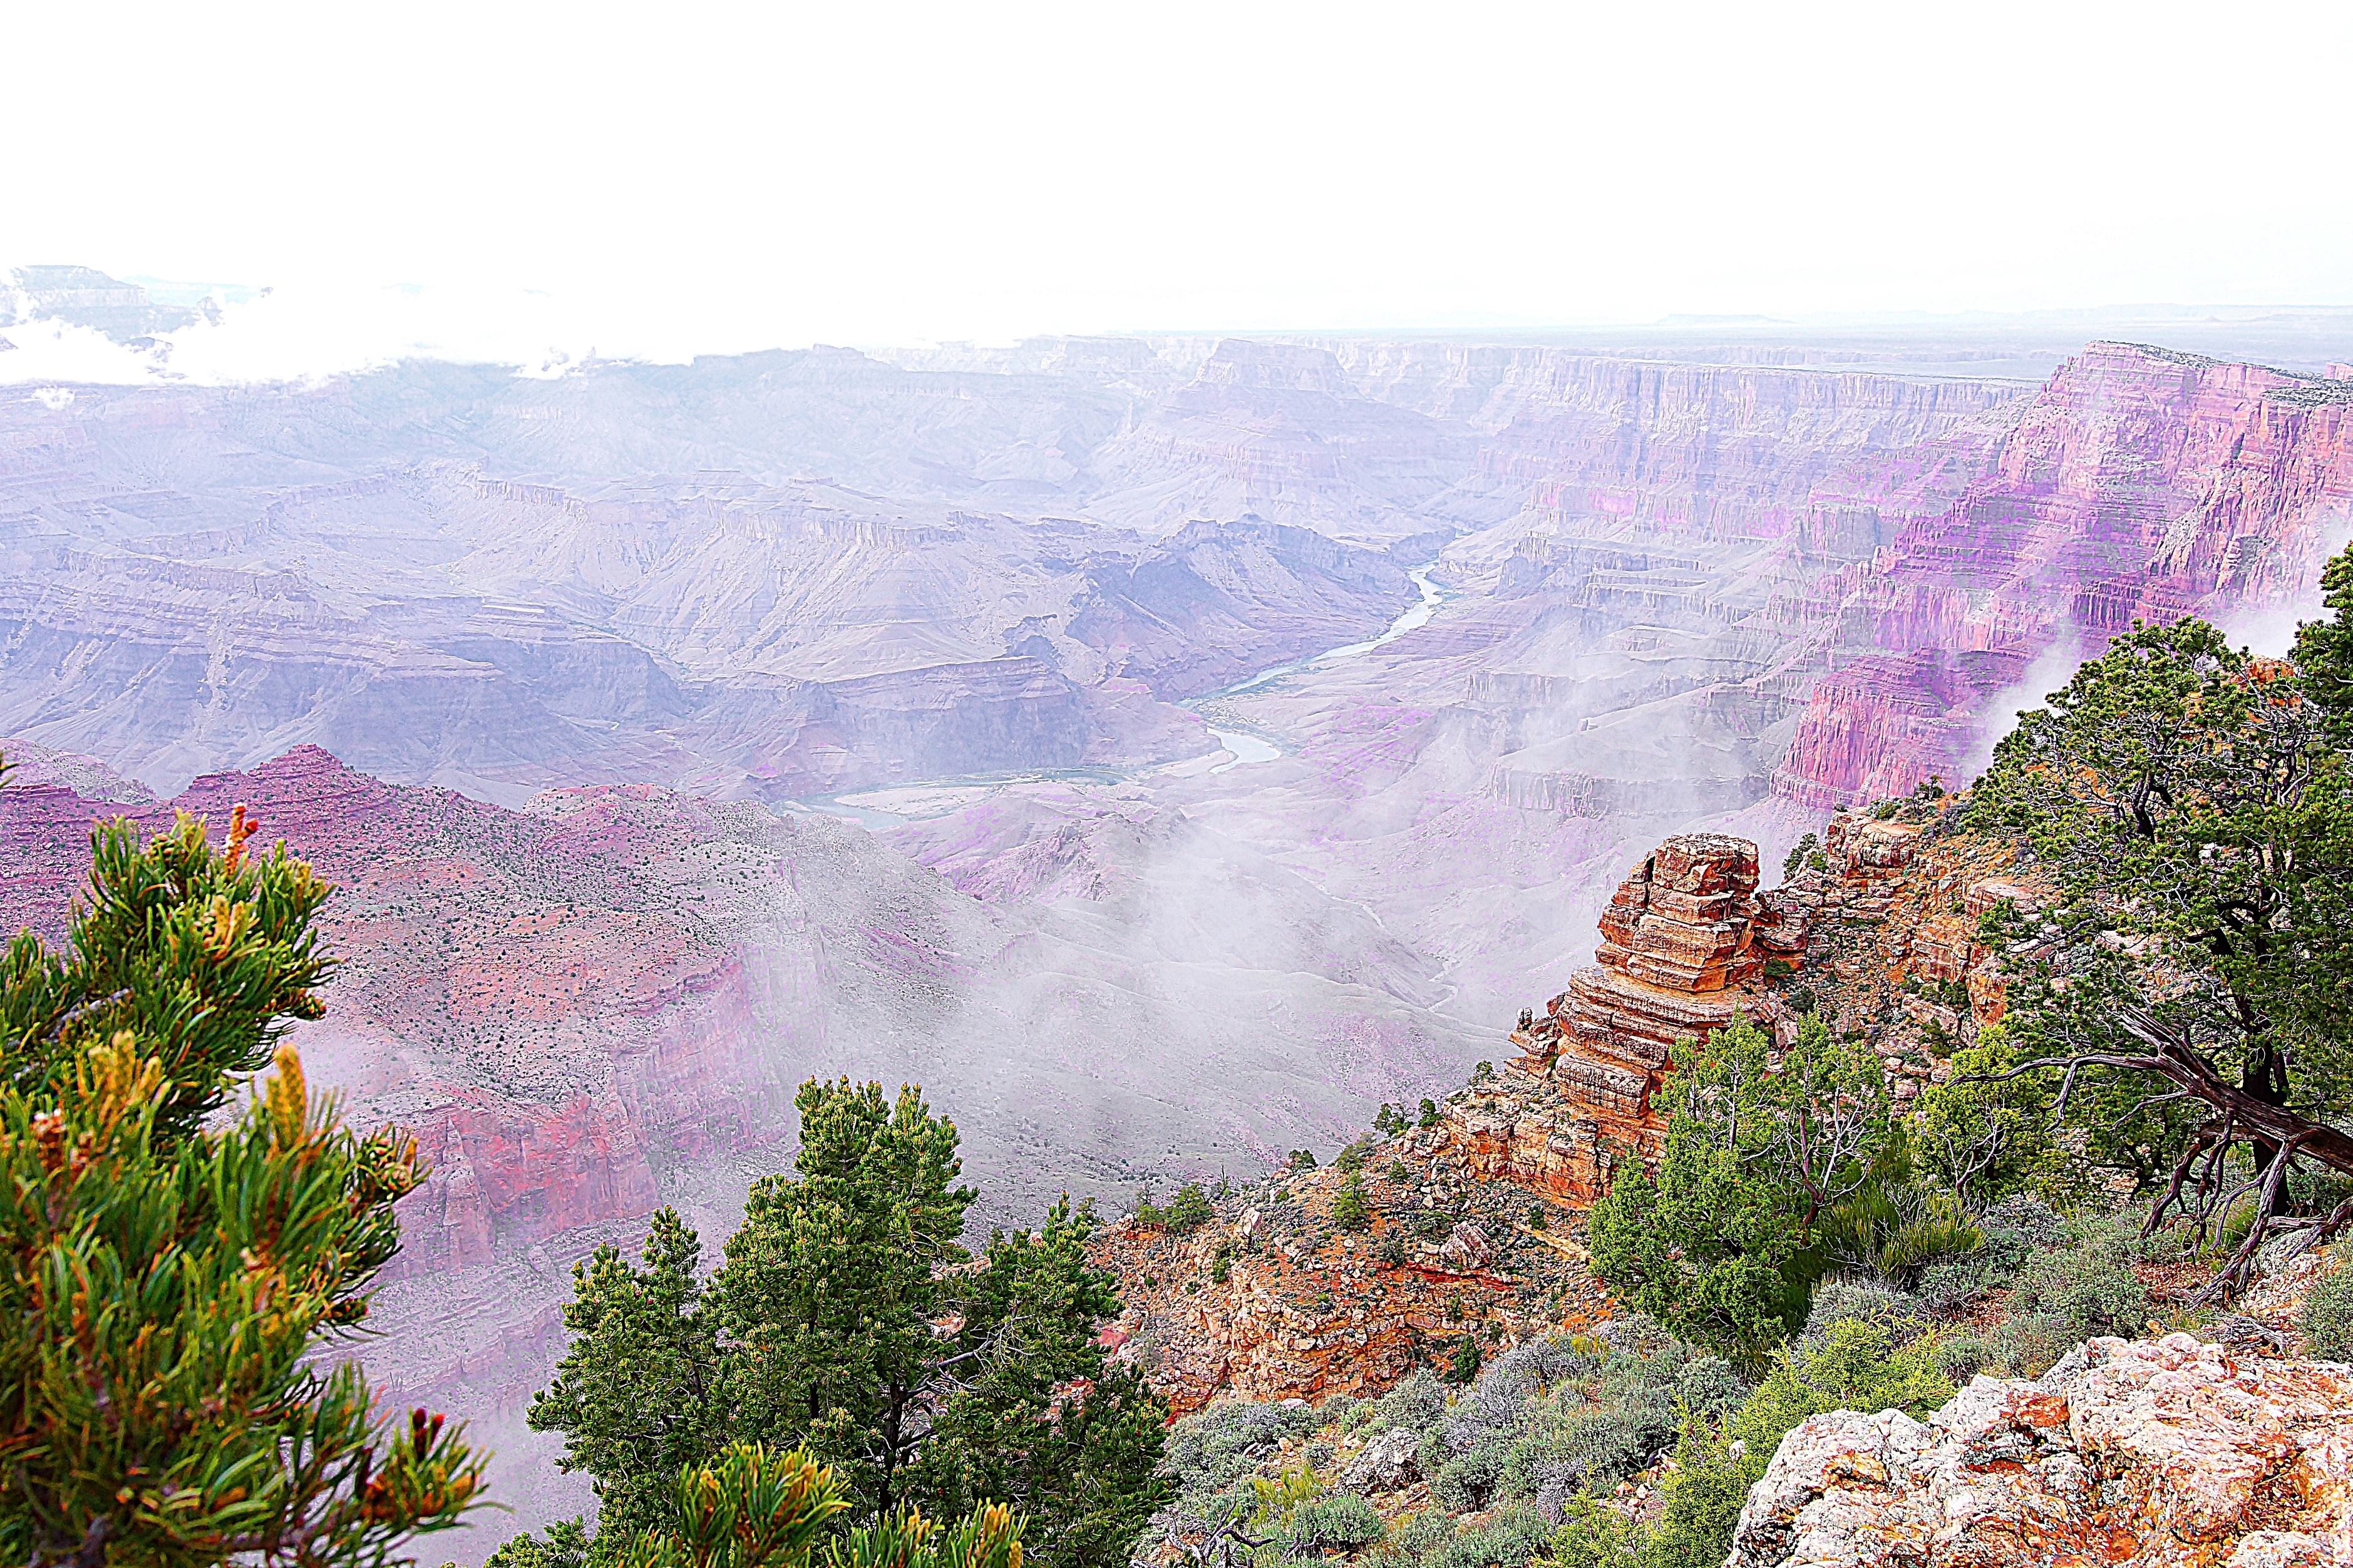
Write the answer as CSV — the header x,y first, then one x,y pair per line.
x,y
757,1508
1894,1226
831,1285
1465,1366
177,1269
1482,1072
1591,1536
1342,1521
1805,852
1429,1116
749,1508
1221,1263
1862,1302
563,1544
1189,1209
1514,1536
1390,1121
1702,1499
1466,1482
1985,1138
2087,1295
1280,1495
2327,1320
1351,1158
2196,805
639,1394
1300,1160
987,1537
1857,1366
1349,1210
1416,1402
818,1331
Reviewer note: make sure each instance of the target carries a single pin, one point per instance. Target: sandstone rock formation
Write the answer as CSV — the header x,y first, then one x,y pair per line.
x,y
2162,1452
1679,959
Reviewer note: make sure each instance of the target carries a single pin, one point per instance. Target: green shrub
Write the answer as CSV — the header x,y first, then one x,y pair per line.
x,y
1962,1356
2028,1344
2328,1321
1800,854
1391,1249
1341,1519
2088,1293
1863,1301
1513,1537
1467,1482
1592,1536
1415,1539
1702,1502
1188,1209
1857,1367
1349,1210
1218,1447
1418,1402
1709,1385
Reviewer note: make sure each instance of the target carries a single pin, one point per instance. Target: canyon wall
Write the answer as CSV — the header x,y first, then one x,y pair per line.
x,y
2140,485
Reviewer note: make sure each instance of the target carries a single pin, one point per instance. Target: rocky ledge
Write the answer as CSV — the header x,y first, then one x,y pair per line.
x,y
2157,1452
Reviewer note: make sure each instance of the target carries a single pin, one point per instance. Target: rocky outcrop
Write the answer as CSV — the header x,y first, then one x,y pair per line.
x,y
2165,1452
1306,1308
1679,959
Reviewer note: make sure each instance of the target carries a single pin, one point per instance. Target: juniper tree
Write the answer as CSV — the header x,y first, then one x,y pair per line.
x,y
1724,1241
2195,806
179,1267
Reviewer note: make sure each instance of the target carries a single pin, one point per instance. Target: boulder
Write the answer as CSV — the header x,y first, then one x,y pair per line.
x,y
2166,1453
1385,1463
1466,1247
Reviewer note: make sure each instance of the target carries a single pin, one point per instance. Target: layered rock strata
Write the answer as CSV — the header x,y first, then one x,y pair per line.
x,y
2165,1452
1680,958
2141,484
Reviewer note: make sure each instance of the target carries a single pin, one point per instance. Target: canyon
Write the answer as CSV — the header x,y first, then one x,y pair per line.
x,y
1164,750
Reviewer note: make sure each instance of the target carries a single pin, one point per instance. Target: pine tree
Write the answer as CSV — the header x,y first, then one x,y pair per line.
x,y
174,1274
643,1389
1188,1209
835,1326
832,1283
1349,1210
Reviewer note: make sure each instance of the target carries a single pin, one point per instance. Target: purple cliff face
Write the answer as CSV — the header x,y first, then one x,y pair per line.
x,y
2139,485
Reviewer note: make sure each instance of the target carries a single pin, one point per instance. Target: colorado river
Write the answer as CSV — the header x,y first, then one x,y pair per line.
x,y
1248,746
889,805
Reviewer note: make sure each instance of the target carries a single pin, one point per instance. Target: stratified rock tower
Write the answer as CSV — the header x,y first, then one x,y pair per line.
x,y
1684,941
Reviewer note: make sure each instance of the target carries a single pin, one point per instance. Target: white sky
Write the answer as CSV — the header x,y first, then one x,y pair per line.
x,y
677,177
